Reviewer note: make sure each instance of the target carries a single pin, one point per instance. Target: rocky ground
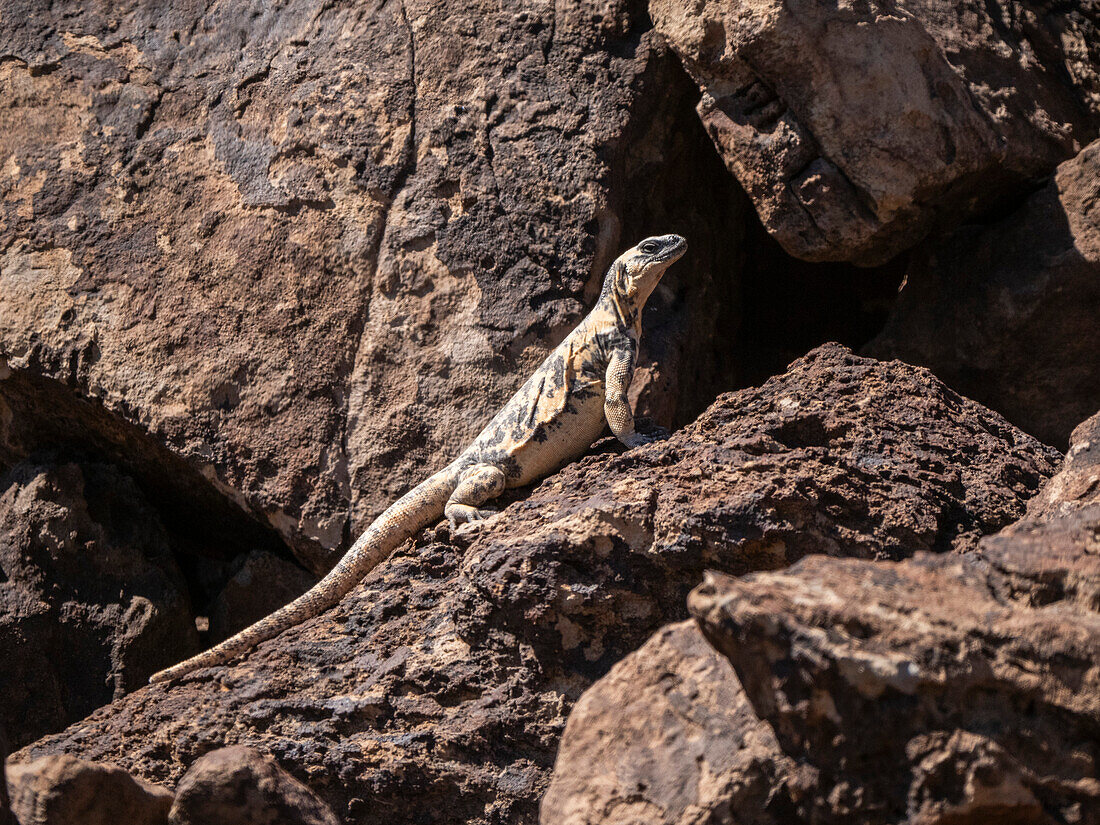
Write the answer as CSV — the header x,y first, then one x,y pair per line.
x,y
264,266
958,688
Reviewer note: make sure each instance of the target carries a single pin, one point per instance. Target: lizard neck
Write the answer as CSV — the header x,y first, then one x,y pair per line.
x,y
615,302
626,315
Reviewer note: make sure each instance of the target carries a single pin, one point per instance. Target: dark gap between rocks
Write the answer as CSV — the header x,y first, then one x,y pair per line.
x,y
737,309
43,421
790,306
668,178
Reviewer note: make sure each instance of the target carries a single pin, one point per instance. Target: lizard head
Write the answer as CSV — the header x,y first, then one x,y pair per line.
x,y
636,272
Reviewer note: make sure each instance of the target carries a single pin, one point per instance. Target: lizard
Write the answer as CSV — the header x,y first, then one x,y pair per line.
x,y
556,415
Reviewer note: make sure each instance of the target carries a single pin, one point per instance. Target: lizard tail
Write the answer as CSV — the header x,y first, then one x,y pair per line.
x,y
404,518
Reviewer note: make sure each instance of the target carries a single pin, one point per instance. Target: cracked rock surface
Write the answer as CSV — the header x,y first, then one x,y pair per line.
x,y
440,686
310,249
939,689
859,127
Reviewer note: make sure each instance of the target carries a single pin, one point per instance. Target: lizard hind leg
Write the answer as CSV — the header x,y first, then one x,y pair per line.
x,y
479,483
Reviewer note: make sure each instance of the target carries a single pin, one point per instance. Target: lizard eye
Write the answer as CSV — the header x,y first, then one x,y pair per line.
x,y
649,247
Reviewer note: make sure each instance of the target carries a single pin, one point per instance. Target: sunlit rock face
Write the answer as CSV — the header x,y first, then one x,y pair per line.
x,y
311,251
858,128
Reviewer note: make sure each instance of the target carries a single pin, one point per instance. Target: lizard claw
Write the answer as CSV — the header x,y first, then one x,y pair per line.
x,y
463,515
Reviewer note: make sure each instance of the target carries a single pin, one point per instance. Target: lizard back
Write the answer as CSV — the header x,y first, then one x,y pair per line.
x,y
552,418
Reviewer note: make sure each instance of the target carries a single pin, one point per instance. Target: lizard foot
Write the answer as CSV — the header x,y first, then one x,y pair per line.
x,y
461,515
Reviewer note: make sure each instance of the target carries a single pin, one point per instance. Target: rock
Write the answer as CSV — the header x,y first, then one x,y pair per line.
x,y
857,129
439,687
670,736
240,786
92,601
63,790
1048,562
306,252
1006,312
5,802
1077,484
941,689
262,583
667,734
1048,557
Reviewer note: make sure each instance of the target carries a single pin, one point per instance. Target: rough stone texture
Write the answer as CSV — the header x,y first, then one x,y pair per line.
x,y
92,601
1051,556
310,250
63,790
1050,562
439,687
1006,313
240,786
263,583
936,690
667,736
41,420
5,807
858,127
1077,484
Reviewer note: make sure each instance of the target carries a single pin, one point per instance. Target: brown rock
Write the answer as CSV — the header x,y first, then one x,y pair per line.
x,y
858,128
5,802
667,736
62,790
1006,312
439,687
311,250
240,786
1077,484
92,601
42,418
1048,562
935,690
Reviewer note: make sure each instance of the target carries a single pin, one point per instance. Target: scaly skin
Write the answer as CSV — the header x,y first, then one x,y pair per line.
x,y
553,418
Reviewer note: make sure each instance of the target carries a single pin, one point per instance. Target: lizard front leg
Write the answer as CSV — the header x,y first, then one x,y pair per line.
x,y
616,407
479,483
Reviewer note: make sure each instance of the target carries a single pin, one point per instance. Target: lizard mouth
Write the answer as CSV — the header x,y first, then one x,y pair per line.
x,y
673,248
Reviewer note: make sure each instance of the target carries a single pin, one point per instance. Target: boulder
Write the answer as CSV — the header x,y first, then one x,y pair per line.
x,y
63,790
279,263
670,736
440,686
92,601
667,737
858,128
240,786
1077,484
1049,557
941,689
1006,312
